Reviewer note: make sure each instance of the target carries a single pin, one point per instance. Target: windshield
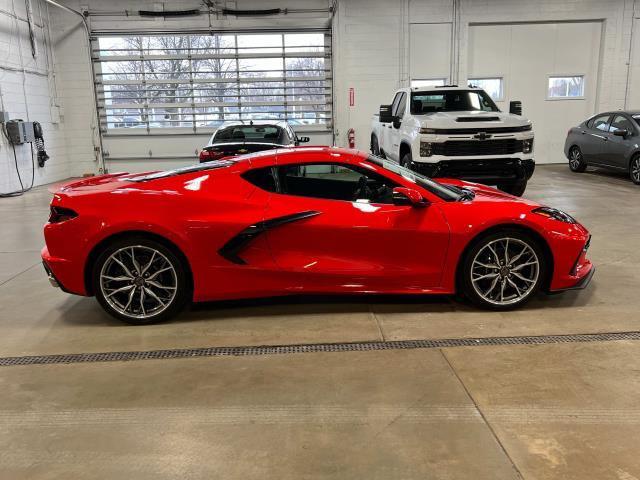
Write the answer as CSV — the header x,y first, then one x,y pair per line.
x,y
451,101
179,171
442,191
248,133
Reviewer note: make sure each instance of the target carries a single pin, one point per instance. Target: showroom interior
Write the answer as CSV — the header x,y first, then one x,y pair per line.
x,y
263,377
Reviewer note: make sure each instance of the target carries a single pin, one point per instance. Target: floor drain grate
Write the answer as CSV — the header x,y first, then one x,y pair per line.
x,y
310,348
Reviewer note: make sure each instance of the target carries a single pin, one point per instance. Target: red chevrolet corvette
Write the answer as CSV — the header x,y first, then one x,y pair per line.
x,y
302,220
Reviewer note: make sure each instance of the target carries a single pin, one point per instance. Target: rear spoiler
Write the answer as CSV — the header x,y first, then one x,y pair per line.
x,y
96,180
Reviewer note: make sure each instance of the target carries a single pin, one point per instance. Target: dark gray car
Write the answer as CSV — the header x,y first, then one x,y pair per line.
x,y
609,140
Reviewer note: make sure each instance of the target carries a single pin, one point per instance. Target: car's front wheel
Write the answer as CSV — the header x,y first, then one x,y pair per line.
x,y
503,270
140,281
576,160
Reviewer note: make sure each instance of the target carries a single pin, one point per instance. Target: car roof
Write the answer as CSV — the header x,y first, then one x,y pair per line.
x,y
234,123
285,156
436,88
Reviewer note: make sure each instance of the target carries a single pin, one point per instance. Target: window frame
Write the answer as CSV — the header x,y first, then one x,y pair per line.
x,y
592,121
569,75
489,77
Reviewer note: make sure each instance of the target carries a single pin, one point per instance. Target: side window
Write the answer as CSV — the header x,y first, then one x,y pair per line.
x,y
601,123
401,106
262,178
331,181
620,122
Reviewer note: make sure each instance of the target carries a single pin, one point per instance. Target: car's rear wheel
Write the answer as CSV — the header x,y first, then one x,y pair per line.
x,y
576,160
516,189
634,169
503,270
140,281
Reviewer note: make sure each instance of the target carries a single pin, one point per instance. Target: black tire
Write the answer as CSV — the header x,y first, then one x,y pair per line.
x,y
536,274
516,189
634,169
375,147
407,161
576,160
175,280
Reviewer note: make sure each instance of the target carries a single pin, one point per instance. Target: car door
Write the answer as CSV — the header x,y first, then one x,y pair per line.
x,y
351,240
617,148
388,130
593,138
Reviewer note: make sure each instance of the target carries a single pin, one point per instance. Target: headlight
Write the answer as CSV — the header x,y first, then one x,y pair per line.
x,y
527,145
426,149
428,130
555,214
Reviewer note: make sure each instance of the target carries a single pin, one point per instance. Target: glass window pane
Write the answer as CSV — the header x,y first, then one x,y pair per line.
x,y
200,80
566,87
493,86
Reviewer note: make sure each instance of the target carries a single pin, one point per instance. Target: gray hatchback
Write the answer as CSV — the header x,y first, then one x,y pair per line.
x,y
609,140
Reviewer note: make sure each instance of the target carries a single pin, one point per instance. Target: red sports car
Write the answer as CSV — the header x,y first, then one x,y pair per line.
x,y
302,220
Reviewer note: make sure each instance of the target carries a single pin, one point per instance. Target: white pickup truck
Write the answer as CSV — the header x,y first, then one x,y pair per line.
x,y
456,132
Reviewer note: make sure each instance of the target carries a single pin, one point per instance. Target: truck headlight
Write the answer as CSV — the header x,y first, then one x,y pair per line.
x,y
527,145
426,149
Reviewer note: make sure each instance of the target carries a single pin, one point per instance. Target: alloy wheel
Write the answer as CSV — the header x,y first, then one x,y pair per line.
x,y
138,281
635,170
575,159
505,271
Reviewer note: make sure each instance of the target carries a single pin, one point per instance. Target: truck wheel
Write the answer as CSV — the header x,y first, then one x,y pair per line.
x,y
375,148
407,161
516,189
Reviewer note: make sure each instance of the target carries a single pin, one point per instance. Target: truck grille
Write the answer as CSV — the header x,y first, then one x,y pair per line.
x,y
477,147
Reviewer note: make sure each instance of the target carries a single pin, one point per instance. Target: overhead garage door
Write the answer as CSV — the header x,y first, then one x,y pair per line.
x,y
551,67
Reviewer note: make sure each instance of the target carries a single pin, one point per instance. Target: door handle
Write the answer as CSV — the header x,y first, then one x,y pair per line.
x,y
605,139
583,132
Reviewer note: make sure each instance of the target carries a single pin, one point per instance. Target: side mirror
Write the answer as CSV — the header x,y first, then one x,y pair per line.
x,y
385,114
621,132
303,139
397,122
515,107
408,196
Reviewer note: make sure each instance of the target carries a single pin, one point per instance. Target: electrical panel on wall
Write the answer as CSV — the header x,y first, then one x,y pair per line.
x,y
20,132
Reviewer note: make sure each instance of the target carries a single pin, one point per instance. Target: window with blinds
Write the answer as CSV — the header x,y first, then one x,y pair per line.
x,y
197,81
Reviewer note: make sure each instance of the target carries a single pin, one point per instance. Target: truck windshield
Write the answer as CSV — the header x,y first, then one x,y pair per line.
x,y
451,101
442,191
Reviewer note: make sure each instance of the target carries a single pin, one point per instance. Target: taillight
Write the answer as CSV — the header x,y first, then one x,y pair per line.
x,y
208,155
61,214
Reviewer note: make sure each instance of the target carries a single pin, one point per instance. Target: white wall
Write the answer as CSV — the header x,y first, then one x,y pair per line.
x,y
525,55
27,91
381,45
378,46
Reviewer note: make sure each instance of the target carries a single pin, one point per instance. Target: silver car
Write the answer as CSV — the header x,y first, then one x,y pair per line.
x,y
610,140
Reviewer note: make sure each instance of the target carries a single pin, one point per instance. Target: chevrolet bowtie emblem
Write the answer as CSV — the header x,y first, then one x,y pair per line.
x,y
243,150
482,136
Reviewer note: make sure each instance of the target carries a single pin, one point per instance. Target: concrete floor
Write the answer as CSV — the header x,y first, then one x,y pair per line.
x,y
535,412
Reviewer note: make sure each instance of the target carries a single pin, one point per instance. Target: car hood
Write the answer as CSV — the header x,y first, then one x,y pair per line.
x,y
471,119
